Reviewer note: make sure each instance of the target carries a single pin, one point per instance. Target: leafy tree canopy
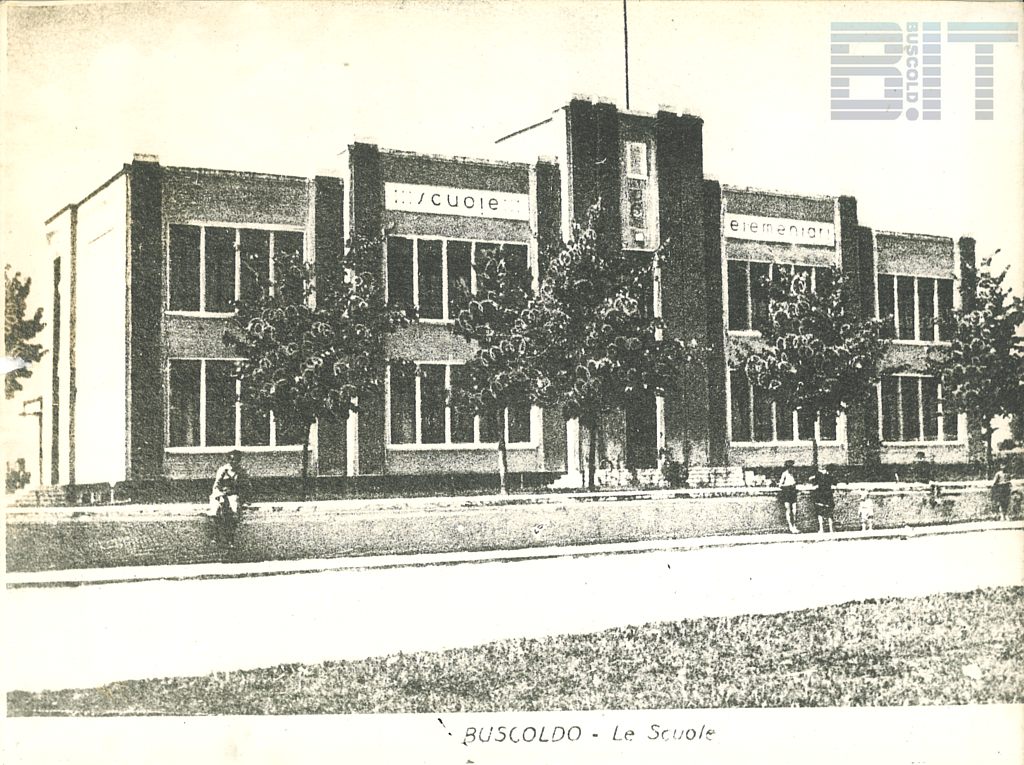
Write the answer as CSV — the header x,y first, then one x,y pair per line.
x,y
19,330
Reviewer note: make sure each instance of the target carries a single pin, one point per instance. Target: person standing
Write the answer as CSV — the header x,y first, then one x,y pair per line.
x,y
787,494
823,498
227,485
1001,493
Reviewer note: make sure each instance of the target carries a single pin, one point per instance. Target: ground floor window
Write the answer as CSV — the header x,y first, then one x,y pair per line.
x,y
911,410
422,410
755,417
204,409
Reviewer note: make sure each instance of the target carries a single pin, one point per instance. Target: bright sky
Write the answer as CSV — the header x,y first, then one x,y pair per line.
x,y
283,87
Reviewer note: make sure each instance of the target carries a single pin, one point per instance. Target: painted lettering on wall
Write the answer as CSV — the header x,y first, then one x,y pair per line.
x,y
779,230
445,200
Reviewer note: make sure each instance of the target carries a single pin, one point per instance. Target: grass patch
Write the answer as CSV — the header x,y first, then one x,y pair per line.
x,y
960,648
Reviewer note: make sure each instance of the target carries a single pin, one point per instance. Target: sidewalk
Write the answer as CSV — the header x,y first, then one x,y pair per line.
x,y
123,574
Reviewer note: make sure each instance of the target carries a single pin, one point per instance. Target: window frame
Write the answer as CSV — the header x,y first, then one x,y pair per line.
x,y
772,265
202,447
448,444
940,438
916,323
840,428
446,318
202,225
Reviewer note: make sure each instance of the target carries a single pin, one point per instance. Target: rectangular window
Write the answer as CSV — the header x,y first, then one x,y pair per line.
x,y
762,407
437,275
289,431
287,283
912,410
930,408
403,408
436,414
905,307
783,422
460,276
805,424
210,267
827,426
760,273
400,272
636,202
184,270
430,275
945,290
432,403
926,309
890,409
738,319
887,305
184,393
204,409
739,391
918,303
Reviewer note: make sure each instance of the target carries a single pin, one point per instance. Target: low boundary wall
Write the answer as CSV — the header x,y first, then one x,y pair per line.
x,y
47,540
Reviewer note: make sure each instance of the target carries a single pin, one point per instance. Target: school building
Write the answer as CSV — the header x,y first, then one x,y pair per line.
x,y
146,268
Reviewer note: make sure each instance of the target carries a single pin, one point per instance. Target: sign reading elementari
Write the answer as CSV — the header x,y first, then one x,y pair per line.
x,y
789,230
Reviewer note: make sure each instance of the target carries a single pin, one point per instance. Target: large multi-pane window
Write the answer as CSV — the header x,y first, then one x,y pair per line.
x,y
424,411
755,417
210,267
436,276
911,410
748,290
910,307
204,409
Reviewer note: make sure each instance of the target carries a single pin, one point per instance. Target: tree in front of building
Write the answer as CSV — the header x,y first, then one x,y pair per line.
x,y
982,368
312,339
596,341
19,330
500,382
815,355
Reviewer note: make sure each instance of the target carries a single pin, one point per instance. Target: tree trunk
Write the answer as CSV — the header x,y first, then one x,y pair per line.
x,y
814,442
591,454
305,464
502,456
988,448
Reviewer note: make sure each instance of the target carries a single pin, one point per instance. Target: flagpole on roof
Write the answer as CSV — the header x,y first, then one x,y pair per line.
x,y
625,39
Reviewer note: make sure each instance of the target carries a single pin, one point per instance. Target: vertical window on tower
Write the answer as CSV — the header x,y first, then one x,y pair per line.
x,y
400,272
636,228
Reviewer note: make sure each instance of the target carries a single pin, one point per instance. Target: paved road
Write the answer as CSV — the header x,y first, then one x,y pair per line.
x,y
62,636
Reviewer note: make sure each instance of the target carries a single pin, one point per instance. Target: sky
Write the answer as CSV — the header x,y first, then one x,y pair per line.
x,y
284,87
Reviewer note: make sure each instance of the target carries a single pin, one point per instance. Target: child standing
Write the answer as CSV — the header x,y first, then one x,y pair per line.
x,y
787,495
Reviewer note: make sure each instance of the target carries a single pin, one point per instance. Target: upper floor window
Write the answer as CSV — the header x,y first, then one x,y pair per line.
x,y
422,410
436,276
748,290
204,409
210,267
910,307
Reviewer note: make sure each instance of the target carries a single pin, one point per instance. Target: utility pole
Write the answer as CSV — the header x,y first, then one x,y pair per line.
x,y
625,39
38,414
